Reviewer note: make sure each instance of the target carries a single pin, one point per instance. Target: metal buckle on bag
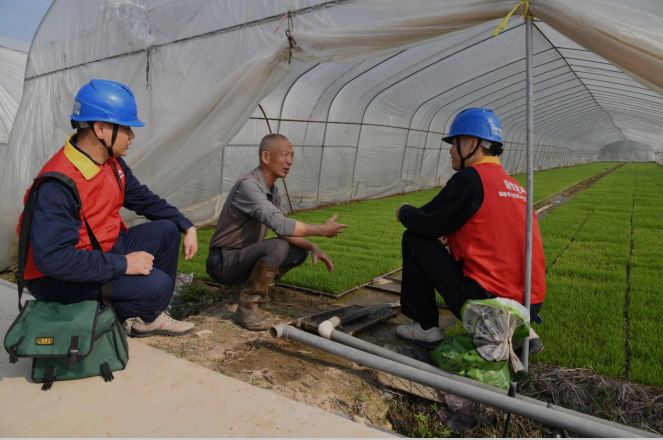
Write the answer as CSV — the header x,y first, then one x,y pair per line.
x,y
73,351
73,357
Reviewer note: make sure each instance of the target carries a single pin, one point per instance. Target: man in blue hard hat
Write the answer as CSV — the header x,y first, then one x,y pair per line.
x,y
141,261
480,215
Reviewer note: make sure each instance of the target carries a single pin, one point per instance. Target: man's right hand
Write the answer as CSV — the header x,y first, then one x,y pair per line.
x,y
139,263
398,211
331,228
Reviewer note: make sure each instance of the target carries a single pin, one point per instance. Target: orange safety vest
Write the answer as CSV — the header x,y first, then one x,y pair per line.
x,y
101,197
491,245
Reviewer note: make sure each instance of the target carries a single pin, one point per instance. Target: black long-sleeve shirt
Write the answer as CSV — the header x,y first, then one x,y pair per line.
x,y
450,209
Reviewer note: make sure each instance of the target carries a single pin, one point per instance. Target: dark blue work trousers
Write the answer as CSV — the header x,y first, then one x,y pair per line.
x,y
142,296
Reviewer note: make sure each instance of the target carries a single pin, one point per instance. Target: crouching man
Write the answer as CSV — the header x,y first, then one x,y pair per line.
x,y
140,261
480,216
239,253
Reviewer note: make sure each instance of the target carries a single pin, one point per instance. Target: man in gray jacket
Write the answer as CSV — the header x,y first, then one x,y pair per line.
x,y
239,252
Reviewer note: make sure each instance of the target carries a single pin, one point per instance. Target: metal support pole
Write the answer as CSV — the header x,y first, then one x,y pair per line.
x,y
530,177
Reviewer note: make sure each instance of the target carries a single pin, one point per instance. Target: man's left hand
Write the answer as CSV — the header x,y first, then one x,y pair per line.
x,y
317,254
190,246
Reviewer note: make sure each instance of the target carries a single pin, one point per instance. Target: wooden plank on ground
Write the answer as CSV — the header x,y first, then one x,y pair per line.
x,y
408,386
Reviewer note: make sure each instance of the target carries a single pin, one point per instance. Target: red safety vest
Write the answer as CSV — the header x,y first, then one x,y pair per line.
x,y
491,245
101,197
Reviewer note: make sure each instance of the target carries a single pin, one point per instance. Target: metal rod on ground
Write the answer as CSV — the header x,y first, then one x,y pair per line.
x,y
373,349
568,420
507,424
529,43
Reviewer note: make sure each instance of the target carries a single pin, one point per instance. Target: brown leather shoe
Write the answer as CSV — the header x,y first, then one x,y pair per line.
x,y
251,292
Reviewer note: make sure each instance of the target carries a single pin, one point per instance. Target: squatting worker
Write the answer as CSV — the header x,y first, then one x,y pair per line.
x,y
480,216
239,252
142,260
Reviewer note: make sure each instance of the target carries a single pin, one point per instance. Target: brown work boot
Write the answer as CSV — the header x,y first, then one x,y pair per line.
x,y
279,274
251,292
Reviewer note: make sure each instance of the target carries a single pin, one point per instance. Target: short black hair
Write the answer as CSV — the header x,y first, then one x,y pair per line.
x,y
268,140
496,149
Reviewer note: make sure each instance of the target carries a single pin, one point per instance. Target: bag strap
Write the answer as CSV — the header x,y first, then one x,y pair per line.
x,y
49,377
24,237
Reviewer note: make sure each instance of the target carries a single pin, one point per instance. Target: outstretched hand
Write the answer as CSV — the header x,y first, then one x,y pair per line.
x,y
190,244
317,254
331,228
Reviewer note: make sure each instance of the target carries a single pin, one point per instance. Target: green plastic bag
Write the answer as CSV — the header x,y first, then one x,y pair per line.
x,y
458,355
484,354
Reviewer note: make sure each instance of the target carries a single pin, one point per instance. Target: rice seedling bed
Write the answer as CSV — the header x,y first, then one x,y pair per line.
x,y
370,246
604,273
549,182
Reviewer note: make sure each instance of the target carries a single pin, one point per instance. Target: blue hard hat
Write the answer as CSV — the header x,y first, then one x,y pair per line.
x,y
108,101
479,122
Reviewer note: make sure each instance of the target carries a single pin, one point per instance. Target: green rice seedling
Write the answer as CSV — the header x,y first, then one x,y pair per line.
x,y
551,181
587,285
646,346
645,321
583,325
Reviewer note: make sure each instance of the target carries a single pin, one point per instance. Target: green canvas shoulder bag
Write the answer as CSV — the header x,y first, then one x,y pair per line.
x,y
66,341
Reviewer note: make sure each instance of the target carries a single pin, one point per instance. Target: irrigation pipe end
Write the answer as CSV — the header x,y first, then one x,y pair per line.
x,y
277,331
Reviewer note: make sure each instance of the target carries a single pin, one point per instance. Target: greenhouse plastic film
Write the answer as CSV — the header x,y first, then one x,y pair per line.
x,y
364,126
12,66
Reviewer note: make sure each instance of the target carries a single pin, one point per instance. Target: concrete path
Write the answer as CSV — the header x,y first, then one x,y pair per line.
x,y
158,395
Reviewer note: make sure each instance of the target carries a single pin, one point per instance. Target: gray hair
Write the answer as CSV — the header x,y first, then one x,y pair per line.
x,y
268,141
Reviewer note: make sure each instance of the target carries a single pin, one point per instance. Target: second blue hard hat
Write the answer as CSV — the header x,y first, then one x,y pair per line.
x,y
479,122
108,101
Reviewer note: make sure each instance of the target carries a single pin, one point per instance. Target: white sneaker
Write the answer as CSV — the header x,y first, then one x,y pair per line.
x,y
127,324
430,338
163,325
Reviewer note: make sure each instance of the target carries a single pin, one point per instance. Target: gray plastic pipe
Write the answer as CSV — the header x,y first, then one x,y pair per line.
x,y
367,347
569,421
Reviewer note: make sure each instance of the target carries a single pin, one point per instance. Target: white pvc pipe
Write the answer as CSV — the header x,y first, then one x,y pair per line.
x,y
326,327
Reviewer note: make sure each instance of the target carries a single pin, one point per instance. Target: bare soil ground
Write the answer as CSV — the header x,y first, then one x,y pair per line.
x,y
286,367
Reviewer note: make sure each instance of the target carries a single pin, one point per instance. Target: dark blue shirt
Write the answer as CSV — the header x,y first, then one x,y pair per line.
x,y
55,226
